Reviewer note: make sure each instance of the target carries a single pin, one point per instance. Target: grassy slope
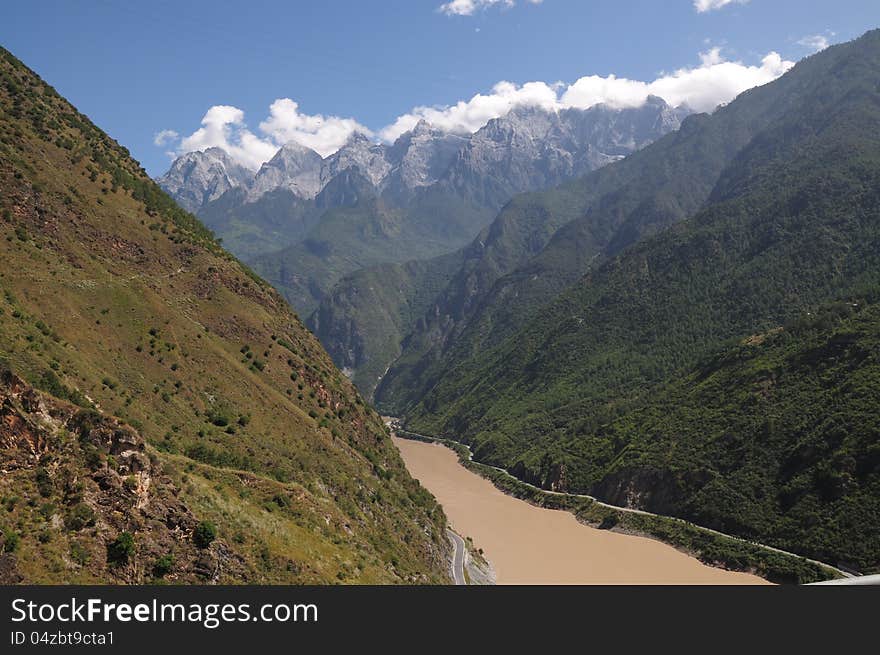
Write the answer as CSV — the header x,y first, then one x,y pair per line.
x,y
111,292
792,224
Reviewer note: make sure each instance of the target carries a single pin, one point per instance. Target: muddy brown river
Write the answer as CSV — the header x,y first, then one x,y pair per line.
x,y
532,545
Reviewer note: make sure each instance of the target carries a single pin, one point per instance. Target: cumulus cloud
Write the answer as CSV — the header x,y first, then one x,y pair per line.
x,y
164,137
323,134
703,87
470,7
470,115
703,6
223,127
816,42
713,82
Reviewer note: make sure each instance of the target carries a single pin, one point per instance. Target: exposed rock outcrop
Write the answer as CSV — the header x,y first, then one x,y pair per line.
x,y
91,479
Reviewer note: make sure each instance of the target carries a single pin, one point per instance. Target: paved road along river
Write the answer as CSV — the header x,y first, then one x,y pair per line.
x,y
532,545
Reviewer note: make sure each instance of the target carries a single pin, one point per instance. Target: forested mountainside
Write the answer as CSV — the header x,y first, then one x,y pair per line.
x,y
164,414
368,232
791,224
365,304
601,214
368,314
774,438
303,222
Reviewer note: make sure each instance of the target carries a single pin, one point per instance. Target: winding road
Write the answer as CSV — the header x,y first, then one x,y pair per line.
x,y
458,558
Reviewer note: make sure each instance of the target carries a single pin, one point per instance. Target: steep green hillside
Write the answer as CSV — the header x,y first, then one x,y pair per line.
x,y
113,298
278,220
366,317
371,232
383,315
776,437
562,233
434,341
792,223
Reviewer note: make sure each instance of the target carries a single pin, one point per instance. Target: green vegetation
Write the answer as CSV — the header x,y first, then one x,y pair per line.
x,y
372,232
79,553
364,320
120,549
780,437
79,517
44,482
118,301
681,374
163,565
11,540
204,534
50,383
249,229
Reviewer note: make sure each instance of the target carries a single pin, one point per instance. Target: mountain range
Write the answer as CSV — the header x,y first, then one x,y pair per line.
x,y
669,311
690,331
303,221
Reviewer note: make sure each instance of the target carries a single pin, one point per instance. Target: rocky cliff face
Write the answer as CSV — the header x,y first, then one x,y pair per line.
x,y
359,152
197,178
530,148
75,480
294,167
421,158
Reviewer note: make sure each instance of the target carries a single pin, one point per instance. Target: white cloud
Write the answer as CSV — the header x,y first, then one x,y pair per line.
x,y
470,7
711,5
223,127
711,57
323,134
164,136
713,82
470,115
816,42
703,87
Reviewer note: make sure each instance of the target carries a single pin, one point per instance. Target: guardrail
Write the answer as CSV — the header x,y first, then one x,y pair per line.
x,y
865,580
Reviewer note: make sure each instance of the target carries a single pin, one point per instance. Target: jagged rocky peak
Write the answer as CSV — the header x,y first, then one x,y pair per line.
x,y
370,158
294,167
422,155
197,178
532,148
528,148
619,131
530,121
510,147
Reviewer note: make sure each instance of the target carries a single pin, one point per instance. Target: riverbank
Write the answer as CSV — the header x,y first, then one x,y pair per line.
x,y
527,544
723,552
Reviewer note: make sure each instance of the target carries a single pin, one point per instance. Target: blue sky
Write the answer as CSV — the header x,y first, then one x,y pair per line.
x,y
140,68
